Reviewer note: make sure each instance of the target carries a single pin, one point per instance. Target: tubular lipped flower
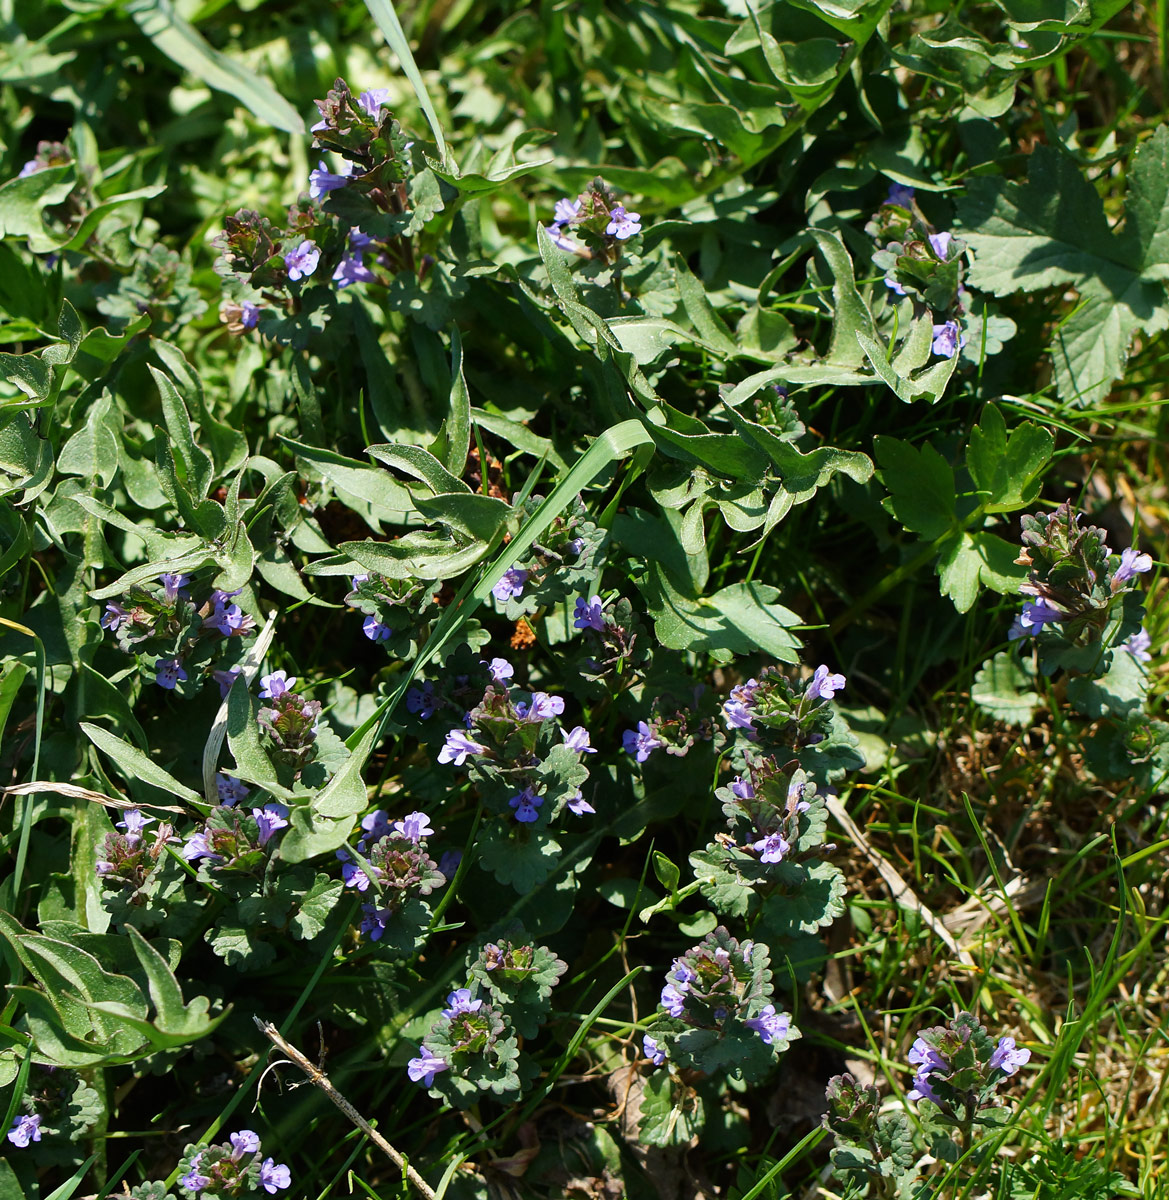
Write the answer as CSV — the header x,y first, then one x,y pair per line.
x,y
169,672
823,685
415,826
322,180
352,269
1132,563
26,1128
302,262
623,224
1138,646
772,848
640,742
578,739
737,708
274,1176
422,701
589,614
527,805
373,100
501,670
375,630
940,244
566,212
459,1001
948,339
1033,618
244,1142
424,1068
225,679
900,194
231,790
769,1024
174,587
458,746
1007,1058
275,685
510,585
653,1051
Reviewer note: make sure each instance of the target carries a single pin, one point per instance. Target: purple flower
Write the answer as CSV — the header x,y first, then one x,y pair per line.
x,y
772,848
195,847
357,878
449,863
823,685
1007,1058
134,821
174,586
501,670
30,168
566,212
578,739
225,679
352,269
322,180
922,1088
275,685
900,194
623,225
374,920
227,618
738,705
26,1128
743,788
653,1051
415,826
559,240
231,790
115,616
926,1058
769,1025
940,243
375,630
673,1000
1132,562
459,744
373,100
425,1067
422,701
1138,646
302,262
543,707
641,742
270,818
249,314
579,806
526,805
1032,619
359,240
375,825
894,286
168,672
589,614
948,339
192,1181
460,1001
510,585
274,1176
244,1142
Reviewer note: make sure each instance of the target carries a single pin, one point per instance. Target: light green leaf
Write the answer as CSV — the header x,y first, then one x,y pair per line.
x,y
136,765
1006,471
182,43
1002,689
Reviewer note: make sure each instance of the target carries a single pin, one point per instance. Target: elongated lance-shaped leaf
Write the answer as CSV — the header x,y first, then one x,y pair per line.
x,y
183,44
137,765
383,13
613,444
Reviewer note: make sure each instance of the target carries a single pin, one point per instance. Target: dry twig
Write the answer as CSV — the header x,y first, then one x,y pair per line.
x,y
319,1079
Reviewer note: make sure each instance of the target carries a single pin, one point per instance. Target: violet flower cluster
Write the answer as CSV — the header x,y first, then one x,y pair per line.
x,y
1078,584
595,213
718,1010
167,630
127,858
290,721
232,1168
777,715
396,868
958,1067
514,744
923,263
